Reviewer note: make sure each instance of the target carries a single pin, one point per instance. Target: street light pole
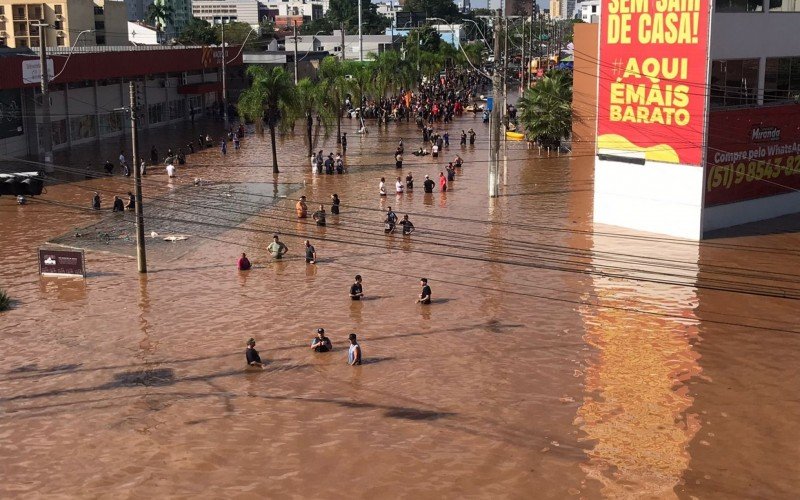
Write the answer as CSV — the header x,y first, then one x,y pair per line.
x,y
295,52
494,150
360,35
47,136
224,78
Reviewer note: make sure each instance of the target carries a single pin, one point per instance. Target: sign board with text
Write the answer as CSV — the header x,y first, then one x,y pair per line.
x,y
61,262
652,78
32,71
752,153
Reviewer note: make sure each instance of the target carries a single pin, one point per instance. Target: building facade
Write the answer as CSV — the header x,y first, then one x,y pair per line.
x,y
86,98
698,123
66,20
226,11
589,11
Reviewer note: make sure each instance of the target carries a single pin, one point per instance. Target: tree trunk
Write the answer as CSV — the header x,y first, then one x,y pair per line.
x,y
274,150
309,126
339,127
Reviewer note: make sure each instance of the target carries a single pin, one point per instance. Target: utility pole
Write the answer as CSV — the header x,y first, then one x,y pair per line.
x,y
141,256
360,35
224,81
505,101
295,51
522,61
343,51
495,117
47,136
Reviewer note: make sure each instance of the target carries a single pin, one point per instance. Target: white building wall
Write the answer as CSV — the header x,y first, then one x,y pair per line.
x,y
141,35
656,197
767,35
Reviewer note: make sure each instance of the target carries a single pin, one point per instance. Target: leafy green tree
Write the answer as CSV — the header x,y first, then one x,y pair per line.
x,y
473,52
346,11
236,33
446,9
546,109
198,32
425,38
270,98
392,73
322,24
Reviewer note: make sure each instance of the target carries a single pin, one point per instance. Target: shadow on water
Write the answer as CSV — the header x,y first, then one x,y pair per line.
x,y
786,224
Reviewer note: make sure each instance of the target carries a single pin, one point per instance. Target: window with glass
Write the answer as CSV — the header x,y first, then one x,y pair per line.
x,y
784,5
739,5
782,79
57,9
156,113
734,82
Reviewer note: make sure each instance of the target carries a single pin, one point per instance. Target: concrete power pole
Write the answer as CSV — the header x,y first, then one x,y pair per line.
x,y
47,136
295,52
496,116
224,80
343,51
360,35
141,256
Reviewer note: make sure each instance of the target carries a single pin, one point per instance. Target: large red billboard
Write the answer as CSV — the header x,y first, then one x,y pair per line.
x,y
652,84
752,153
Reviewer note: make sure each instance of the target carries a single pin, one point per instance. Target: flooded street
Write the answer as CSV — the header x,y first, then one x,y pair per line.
x,y
559,359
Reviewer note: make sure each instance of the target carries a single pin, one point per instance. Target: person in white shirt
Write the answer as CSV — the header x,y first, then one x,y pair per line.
x,y
435,151
382,187
171,170
398,186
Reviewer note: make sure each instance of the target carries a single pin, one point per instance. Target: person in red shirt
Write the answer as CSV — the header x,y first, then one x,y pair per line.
x,y
243,264
442,182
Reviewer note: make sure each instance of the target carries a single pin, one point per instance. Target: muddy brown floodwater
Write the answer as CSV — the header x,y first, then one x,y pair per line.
x,y
559,359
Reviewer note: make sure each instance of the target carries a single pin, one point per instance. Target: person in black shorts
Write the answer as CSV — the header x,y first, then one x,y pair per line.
x,y
253,359
425,296
356,290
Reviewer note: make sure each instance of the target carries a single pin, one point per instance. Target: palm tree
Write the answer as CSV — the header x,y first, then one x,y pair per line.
x,y
270,98
392,74
310,101
334,89
160,14
546,109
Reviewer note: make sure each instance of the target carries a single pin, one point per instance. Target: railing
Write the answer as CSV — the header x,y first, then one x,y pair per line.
x,y
92,49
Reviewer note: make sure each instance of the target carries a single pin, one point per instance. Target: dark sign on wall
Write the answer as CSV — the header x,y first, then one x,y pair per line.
x,y
10,113
61,262
752,153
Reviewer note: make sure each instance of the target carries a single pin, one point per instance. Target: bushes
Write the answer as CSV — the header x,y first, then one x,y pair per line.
x,y
5,301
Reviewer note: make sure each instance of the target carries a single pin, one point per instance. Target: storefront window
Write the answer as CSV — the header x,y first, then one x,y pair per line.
x,y
740,5
156,113
782,79
734,82
784,5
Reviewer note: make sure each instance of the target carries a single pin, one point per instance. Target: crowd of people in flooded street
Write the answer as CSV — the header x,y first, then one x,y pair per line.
x,y
434,103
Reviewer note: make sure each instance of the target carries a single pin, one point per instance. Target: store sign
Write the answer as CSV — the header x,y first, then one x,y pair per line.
x,y
61,262
652,78
32,71
752,153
